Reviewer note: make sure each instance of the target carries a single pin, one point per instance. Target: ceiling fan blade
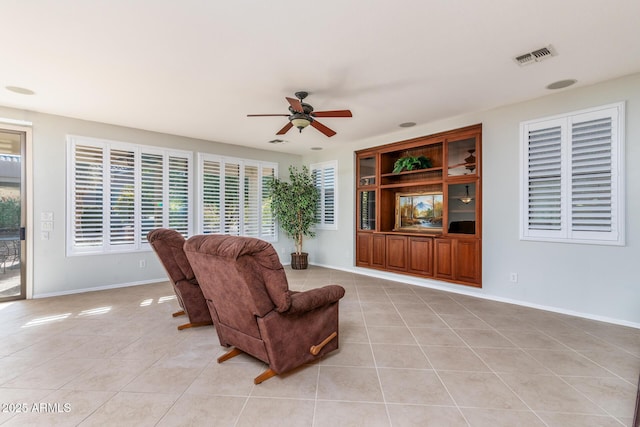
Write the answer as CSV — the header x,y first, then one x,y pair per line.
x,y
322,128
334,113
296,105
285,129
267,115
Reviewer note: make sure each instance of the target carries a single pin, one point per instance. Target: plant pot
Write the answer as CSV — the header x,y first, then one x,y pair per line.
x,y
299,262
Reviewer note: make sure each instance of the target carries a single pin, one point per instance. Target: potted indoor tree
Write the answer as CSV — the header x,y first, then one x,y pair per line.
x,y
294,206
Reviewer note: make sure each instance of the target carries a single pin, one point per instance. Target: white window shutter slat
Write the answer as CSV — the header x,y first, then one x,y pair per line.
x,y
88,196
179,184
329,196
251,203
267,220
211,194
325,180
544,166
152,193
591,175
232,198
122,213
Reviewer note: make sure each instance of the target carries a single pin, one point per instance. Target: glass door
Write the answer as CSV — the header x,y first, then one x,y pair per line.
x,y
12,214
461,213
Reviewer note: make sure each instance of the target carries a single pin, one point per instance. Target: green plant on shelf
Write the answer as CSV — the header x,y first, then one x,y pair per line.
x,y
410,163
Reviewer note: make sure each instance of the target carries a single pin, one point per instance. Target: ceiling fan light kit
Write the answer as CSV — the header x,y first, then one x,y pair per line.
x,y
466,199
302,115
300,121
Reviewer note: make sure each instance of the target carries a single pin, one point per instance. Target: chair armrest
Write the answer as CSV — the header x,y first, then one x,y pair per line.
x,y
314,298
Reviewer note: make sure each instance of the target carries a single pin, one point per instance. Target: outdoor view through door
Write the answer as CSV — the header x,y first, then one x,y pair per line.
x,y
11,214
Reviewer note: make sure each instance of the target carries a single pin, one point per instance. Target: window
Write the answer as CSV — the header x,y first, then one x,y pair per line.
x,y
235,197
324,178
572,181
119,192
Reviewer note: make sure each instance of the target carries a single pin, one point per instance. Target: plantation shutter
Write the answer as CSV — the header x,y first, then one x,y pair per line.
x,y
251,205
88,196
118,192
152,193
544,166
316,176
324,179
235,197
267,220
211,197
232,198
328,196
573,177
179,185
593,175
122,198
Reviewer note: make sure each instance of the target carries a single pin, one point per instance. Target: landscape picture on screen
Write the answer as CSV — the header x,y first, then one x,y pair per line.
x,y
419,212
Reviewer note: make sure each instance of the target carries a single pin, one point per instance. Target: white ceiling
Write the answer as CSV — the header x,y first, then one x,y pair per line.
x,y
198,67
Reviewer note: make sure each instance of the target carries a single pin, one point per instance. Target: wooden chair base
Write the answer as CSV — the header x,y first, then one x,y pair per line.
x,y
229,354
257,380
194,325
264,376
178,313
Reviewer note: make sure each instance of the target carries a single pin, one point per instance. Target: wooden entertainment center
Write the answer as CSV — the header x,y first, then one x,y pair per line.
x,y
426,221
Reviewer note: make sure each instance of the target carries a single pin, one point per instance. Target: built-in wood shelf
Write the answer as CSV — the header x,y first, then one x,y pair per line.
x,y
385,241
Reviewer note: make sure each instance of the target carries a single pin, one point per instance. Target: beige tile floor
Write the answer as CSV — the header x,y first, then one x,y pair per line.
x,y
409,356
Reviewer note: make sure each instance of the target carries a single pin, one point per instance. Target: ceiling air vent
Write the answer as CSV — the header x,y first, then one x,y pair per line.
x,y
535,56
277,141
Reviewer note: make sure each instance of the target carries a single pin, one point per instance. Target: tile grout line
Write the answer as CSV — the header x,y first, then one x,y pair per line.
x,y
489,367
435,371
375,364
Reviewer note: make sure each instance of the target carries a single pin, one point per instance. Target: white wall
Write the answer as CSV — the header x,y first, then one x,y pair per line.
x,y
594,281
53,271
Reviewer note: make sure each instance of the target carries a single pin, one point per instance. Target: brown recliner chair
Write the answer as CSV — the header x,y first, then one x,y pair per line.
x,y
168,245
247,291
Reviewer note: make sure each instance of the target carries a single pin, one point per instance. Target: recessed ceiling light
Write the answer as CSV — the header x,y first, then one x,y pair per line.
x,y
561,84
20,90
407,124
316,148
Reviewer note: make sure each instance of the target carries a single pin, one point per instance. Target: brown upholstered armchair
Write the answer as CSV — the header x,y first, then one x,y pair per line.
x,y
246,288
168,245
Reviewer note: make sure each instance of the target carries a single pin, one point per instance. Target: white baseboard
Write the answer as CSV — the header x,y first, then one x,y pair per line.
x,y
474,292
100,288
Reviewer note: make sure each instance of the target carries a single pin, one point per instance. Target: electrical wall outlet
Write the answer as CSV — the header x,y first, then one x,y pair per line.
x,y
513,277
143,263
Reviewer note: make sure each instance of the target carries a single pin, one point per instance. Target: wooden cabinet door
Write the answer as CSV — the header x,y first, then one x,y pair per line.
x,y
468,266
444,267
379,250
363,249
396,252
421,255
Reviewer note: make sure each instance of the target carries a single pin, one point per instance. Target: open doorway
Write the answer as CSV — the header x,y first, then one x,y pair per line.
x,y
12,214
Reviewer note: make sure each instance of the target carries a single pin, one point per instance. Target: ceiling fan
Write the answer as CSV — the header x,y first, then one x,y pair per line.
x,y
302,115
